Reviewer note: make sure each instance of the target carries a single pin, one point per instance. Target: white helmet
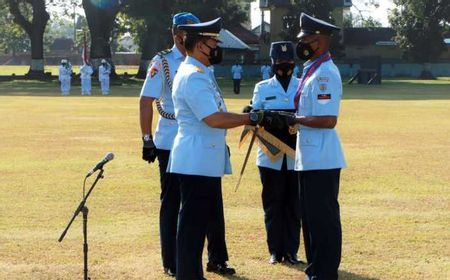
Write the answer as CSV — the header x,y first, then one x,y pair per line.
x,y
63,61
103,60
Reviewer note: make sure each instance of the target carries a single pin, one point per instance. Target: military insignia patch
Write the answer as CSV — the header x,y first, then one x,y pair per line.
x,y
153,71
323,87
324,96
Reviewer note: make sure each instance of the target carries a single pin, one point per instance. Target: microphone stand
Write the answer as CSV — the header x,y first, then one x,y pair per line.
x,y
82,208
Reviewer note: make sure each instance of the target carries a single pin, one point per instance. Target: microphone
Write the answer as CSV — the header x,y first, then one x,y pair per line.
x,y
108,157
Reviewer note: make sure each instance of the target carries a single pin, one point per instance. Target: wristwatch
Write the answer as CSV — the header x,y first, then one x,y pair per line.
x,y
253,117
147,137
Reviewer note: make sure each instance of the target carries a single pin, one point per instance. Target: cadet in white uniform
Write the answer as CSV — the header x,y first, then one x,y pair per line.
x,y
104,70
319,155
280,193
158,87
265,71
65,76
199,155
85,75
236,72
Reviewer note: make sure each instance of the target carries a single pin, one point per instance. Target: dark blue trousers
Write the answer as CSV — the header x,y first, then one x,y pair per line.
x,y
237,86
168,214
281,205
168,219
201,214
321,220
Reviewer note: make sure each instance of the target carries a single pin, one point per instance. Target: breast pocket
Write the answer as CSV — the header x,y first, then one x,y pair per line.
x,y
305,104
309,138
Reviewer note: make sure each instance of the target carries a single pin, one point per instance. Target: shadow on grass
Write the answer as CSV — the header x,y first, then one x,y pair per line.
x,y
343,275
390,89
235,277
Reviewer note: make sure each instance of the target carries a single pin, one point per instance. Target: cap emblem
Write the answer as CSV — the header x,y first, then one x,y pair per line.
x,y
284,48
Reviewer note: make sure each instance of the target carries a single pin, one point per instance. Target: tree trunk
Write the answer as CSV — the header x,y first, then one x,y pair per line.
x,y
147,54
426,72
35,30
101,22
153,43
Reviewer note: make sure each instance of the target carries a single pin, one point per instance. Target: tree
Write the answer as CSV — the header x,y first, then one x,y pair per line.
x,y
14,39
32,16
420,25
101,16
352,20
152,21
149,22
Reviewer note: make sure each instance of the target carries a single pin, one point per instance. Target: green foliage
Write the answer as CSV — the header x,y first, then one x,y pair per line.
x,y
14,39
420,26
150,19
355,20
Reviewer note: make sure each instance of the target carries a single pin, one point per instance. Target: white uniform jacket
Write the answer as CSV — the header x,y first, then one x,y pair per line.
x,y
86,71
65,73
103,72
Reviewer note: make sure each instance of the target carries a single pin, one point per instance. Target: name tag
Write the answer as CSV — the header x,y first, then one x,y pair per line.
x,y
271,98
323,98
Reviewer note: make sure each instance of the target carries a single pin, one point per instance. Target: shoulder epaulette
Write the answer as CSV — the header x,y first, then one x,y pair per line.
x,y
164,52
196,68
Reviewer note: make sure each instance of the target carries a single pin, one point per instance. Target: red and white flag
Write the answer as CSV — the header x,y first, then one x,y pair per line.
x,y
84,51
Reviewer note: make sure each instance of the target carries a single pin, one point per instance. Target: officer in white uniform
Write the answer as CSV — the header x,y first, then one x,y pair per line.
x,y
199,155
65,76
85,75
158,87
265,71
236,72
104,70
319,155
280,193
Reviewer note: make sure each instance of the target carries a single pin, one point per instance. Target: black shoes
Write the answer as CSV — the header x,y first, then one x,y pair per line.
x,y
220,268
169,272
275,258
292,259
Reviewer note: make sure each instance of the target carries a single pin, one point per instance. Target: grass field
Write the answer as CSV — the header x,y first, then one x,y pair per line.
x,y
395,193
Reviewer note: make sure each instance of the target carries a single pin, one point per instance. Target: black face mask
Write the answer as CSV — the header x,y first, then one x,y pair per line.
x,y
286,69
304,51
215,54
